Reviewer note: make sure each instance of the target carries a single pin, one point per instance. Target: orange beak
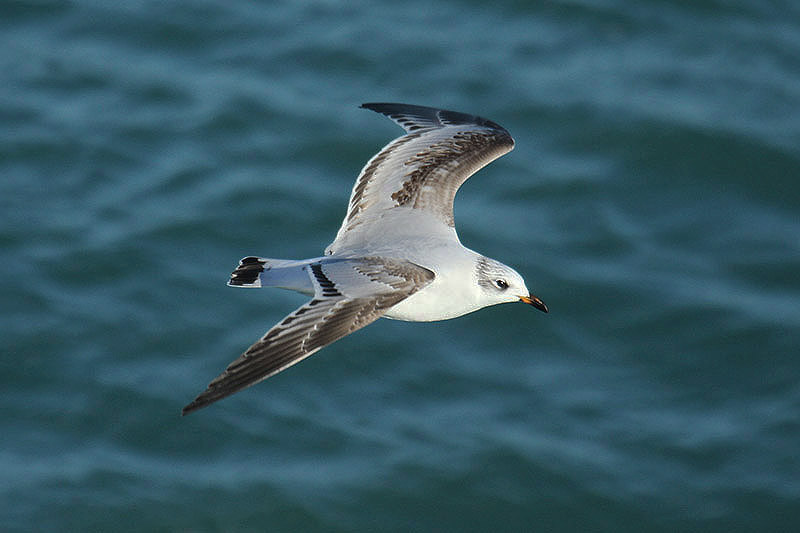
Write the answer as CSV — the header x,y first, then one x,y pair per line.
x,y
534,301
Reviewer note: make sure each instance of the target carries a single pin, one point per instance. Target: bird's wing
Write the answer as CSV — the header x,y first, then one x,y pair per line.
x,y
349,294
422,170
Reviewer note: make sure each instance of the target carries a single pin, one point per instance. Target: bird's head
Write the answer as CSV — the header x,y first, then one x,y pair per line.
x,y
500,284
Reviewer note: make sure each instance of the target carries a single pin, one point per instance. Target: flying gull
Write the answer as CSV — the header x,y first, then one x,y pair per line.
x,y
396,254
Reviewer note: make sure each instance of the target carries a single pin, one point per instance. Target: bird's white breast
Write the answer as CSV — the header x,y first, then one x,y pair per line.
x,y
452,293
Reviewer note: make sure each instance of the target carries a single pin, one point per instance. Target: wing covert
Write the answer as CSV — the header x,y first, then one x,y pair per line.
x,y
349,294
421,170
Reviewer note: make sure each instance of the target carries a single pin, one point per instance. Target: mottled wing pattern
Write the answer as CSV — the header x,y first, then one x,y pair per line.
x,y
424,168
349,294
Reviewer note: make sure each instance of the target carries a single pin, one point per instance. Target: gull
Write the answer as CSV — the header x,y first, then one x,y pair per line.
x,y
396,254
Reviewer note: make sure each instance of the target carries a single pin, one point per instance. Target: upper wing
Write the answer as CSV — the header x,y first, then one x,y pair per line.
x,y
349,294
422,169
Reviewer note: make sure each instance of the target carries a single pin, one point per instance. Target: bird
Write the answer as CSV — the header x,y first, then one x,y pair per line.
x,y
396,254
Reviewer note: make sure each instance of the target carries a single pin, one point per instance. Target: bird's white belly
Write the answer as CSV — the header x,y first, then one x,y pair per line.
x,y
434,302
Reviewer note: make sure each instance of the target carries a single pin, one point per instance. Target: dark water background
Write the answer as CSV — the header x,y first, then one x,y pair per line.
x,y
653,201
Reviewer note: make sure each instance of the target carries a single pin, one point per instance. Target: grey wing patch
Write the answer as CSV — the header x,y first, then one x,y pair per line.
x,y
436,173
368,288
359,199
424,168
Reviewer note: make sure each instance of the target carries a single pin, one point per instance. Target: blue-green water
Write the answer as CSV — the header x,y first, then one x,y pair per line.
x,y
653,201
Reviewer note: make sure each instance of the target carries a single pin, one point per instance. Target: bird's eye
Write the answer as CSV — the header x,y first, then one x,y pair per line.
x,y
501,284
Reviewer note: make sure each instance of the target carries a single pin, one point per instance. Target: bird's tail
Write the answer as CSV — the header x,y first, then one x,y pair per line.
x,y
254,272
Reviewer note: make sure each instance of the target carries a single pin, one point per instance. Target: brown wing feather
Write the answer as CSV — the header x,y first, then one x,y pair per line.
x,y
424,168
328,317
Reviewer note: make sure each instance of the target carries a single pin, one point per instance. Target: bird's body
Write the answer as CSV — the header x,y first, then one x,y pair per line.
x,y
396,254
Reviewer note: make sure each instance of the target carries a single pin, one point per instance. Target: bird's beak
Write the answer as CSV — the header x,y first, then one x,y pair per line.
x,y
534,301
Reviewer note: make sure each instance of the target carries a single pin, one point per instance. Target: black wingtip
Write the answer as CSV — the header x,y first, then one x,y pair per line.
x,y
424,116
190,408
206,398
